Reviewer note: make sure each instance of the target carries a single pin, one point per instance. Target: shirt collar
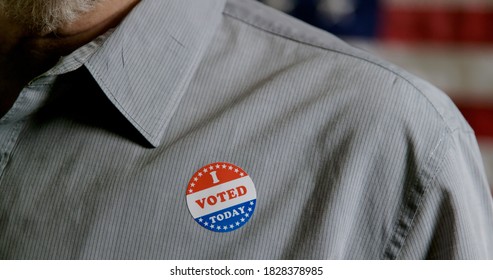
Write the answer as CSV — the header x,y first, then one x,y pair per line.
x,y
146,64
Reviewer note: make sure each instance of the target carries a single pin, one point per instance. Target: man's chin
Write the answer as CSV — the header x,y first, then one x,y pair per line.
x,y
41,17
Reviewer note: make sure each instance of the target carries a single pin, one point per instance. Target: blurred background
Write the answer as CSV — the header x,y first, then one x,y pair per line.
x,y
447,42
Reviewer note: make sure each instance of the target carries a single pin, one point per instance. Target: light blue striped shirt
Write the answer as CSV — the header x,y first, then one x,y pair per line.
x,y
351,157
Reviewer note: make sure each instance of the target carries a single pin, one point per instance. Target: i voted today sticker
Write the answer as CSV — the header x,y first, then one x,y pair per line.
x,y
221,197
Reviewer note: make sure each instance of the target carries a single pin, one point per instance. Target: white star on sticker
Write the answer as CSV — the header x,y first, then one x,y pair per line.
x,y
206,224
218,166
225,227
236,170
205,170
237,223
192,185
201,220
249,209
230,167
195,179
211,167
242,219
231,226
190,191
200,174
251,203
224,166
212,226
242,174
247,215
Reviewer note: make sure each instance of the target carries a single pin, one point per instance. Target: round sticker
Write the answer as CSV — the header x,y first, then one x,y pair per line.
x,y
221,197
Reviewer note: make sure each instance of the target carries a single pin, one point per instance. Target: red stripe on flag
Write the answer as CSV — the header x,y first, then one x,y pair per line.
x,y
466,25
479,115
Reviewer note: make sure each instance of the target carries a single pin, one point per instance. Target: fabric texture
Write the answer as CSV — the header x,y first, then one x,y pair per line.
x,y
351,157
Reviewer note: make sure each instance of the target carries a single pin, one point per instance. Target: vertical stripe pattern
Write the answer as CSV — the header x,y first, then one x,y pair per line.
x,y
351,157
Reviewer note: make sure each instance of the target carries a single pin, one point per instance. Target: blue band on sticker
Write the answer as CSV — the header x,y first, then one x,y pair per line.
x,y
228,219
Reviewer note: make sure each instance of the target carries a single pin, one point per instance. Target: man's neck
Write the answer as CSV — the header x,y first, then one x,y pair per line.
x,y
23,55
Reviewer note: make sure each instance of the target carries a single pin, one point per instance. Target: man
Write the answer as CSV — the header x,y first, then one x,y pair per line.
x,y
213,129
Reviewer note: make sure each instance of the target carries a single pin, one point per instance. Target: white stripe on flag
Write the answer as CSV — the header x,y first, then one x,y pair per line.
x,y
466,70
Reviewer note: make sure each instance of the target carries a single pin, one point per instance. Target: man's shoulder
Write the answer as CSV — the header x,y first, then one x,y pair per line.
x,y
280,24
374,81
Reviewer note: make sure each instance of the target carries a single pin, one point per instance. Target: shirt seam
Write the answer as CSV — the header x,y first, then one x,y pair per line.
x,y
314,44
395,243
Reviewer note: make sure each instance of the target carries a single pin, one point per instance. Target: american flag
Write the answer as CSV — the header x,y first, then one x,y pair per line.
x,y
447,42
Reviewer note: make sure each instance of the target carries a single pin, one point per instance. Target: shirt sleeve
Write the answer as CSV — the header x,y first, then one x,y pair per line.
x,y
454,218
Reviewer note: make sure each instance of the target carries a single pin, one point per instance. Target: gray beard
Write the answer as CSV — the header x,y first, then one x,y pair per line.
x,y
44,16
